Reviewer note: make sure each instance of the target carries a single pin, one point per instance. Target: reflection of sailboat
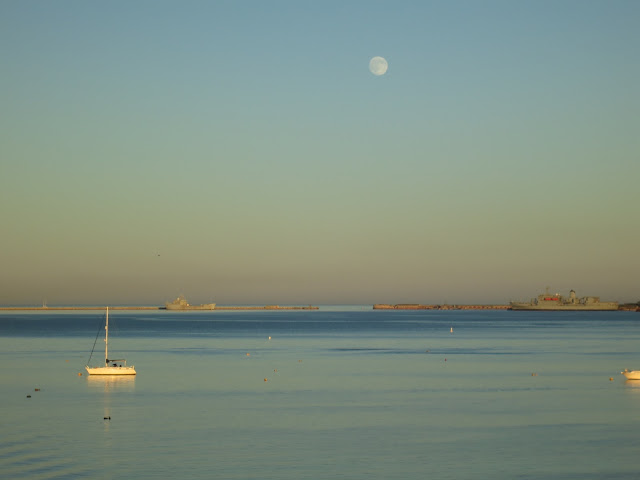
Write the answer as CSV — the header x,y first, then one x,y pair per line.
x,y
106,387
632,386
111,383
111,367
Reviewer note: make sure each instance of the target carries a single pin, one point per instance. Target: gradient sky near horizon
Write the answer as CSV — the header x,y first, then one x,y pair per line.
x,y
242,152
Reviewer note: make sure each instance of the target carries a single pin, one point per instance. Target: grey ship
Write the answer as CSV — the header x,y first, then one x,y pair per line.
x,y
556,301
181,304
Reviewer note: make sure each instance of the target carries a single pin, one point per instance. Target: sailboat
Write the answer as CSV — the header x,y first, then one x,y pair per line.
x,y
631,374
111,365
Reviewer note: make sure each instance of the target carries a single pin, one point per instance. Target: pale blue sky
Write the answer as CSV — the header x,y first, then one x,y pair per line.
x,y
241,152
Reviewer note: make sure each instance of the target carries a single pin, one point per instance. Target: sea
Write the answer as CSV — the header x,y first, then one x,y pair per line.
x,y
343,392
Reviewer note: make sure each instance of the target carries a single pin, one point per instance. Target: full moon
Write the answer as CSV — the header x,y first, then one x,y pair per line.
x,y
378,66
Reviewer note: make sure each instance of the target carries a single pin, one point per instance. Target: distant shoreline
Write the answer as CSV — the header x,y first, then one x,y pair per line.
x,y
78,308
377,306
417,306
266,307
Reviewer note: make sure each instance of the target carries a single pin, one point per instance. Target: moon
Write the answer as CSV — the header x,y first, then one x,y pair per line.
x,y
378,66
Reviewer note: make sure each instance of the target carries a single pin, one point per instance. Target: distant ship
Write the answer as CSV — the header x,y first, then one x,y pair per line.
x,y
181,304
556,301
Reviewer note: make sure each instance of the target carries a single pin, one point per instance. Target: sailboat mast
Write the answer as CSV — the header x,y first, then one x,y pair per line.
x,y
106,339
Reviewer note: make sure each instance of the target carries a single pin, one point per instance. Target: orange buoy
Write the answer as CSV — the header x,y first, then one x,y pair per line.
x,y
265,379
79,374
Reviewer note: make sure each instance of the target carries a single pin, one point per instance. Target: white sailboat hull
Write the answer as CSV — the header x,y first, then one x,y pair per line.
x,y
111,370
631,374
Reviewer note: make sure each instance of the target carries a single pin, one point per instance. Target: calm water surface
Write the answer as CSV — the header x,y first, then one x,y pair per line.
x,y
349,393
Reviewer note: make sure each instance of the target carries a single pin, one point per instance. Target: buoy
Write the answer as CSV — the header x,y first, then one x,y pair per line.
x,y
37,389
265,379
248,354
79,374
611,379
275,370
534,374
445,359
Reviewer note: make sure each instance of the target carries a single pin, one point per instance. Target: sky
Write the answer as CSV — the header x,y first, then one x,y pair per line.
x,y
241,152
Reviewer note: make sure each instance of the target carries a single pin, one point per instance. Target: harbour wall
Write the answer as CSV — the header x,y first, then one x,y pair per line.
x,y
266,307
377,306
417,306
45,309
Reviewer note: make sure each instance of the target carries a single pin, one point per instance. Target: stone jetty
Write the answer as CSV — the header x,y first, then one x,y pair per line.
x,y
418,306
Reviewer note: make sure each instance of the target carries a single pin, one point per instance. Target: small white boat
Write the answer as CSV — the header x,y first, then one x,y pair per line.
x,y
112,366
631,374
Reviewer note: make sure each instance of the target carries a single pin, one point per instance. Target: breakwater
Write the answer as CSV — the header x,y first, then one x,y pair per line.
x,y
266,307
417,306
48,309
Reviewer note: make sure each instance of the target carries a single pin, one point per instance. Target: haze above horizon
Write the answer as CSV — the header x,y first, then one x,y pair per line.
x,y
243,153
